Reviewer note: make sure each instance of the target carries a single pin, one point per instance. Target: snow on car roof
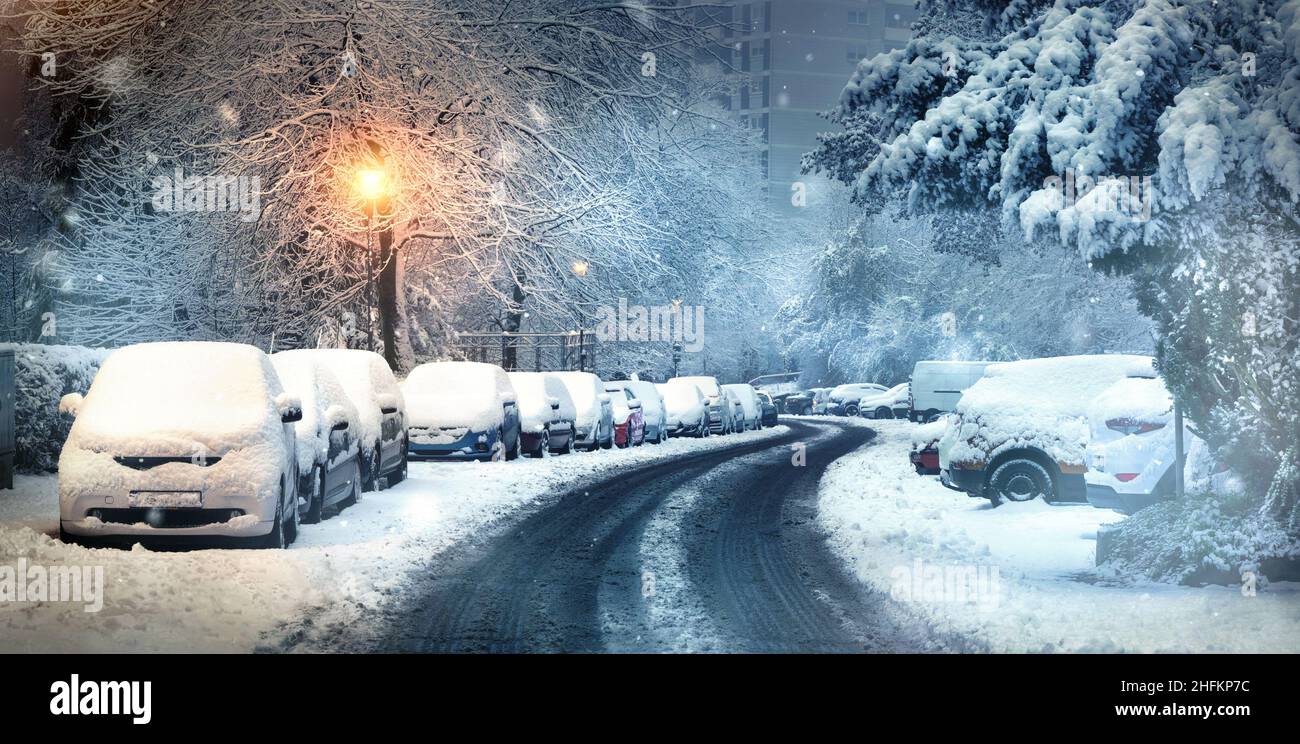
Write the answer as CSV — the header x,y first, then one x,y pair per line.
x,y
467,394
1138,398
156,397
1057,386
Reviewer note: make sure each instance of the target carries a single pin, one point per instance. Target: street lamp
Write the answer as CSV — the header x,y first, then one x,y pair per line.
x,y
580,269
371,185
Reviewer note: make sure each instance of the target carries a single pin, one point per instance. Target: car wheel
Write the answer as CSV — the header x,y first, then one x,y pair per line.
x,y
399,475
1019,480
884,412
355,497
513,452
930,416
850,410
543,444
291,523
275,539
370,471
317,504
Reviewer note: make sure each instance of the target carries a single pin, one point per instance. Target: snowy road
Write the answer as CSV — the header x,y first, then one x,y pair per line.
x,y
713,551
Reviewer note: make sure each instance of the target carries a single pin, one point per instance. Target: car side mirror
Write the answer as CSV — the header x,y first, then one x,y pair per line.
x,y
387,403
634,404
290,408
340,426
71,403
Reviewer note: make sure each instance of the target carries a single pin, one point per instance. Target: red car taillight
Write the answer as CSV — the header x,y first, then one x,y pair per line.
x,y
1130,426
1125,477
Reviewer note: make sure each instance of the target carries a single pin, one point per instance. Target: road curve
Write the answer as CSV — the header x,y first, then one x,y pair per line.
x,y
714,551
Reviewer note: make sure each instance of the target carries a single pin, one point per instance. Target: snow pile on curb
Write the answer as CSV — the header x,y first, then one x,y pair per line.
x,y
1020,577
327,586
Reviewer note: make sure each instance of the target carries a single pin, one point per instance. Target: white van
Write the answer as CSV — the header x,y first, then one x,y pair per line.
x,y
937,386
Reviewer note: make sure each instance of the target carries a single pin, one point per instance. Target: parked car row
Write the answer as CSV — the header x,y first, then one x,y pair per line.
x,y
185,440
188,440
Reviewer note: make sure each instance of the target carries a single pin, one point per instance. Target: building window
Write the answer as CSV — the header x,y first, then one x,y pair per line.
x,y
857,17
856,54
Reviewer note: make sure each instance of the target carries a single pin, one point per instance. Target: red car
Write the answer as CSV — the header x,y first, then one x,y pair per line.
x,y
629,424
925,447
926,460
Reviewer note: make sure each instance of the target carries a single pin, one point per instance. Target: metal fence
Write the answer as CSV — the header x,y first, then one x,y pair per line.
x,y
538,352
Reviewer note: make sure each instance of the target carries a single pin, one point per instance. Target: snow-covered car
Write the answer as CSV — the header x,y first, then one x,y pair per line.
x,y
629,421
461,411
652,409
686,410
178,441
768,410
595,419
719,410
937,385
546,413
843,399
821,401
892,403
924,455
798,404
1021,431
329,452
1131,453
371,387
734,412
752,409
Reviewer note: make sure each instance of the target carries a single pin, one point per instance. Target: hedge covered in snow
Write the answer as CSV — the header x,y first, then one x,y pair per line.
x,y
45,374
1206,538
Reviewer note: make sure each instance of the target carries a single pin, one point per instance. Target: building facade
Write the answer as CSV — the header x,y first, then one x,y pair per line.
x,y
792,59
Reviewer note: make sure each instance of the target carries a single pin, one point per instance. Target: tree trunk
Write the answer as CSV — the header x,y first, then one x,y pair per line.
x,y
514,322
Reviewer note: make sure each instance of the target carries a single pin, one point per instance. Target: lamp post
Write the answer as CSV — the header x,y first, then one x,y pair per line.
x,y
371,186
580,269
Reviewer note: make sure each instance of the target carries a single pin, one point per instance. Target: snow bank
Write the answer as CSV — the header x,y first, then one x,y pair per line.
x,y
891,526
1040,403
45,374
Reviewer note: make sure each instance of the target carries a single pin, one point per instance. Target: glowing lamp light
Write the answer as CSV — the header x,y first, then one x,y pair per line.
x,y
372,184
580,268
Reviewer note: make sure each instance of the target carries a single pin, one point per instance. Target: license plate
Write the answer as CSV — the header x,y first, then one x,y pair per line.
x,y
165,499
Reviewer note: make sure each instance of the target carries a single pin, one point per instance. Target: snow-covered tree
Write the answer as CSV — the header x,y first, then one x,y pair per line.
x,y
882,297
1152,136
510,142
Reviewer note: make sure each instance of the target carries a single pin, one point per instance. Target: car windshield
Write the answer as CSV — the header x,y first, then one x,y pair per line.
x,y
202,393
452,385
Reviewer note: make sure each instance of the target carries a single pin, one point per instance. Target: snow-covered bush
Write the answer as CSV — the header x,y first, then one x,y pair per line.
x,y
1205,538
45,374
881,299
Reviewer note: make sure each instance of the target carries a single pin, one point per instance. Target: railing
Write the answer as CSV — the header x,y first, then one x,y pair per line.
x,y
524,351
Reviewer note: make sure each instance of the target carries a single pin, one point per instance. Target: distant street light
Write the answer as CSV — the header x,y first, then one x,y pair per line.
x,y
580,268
